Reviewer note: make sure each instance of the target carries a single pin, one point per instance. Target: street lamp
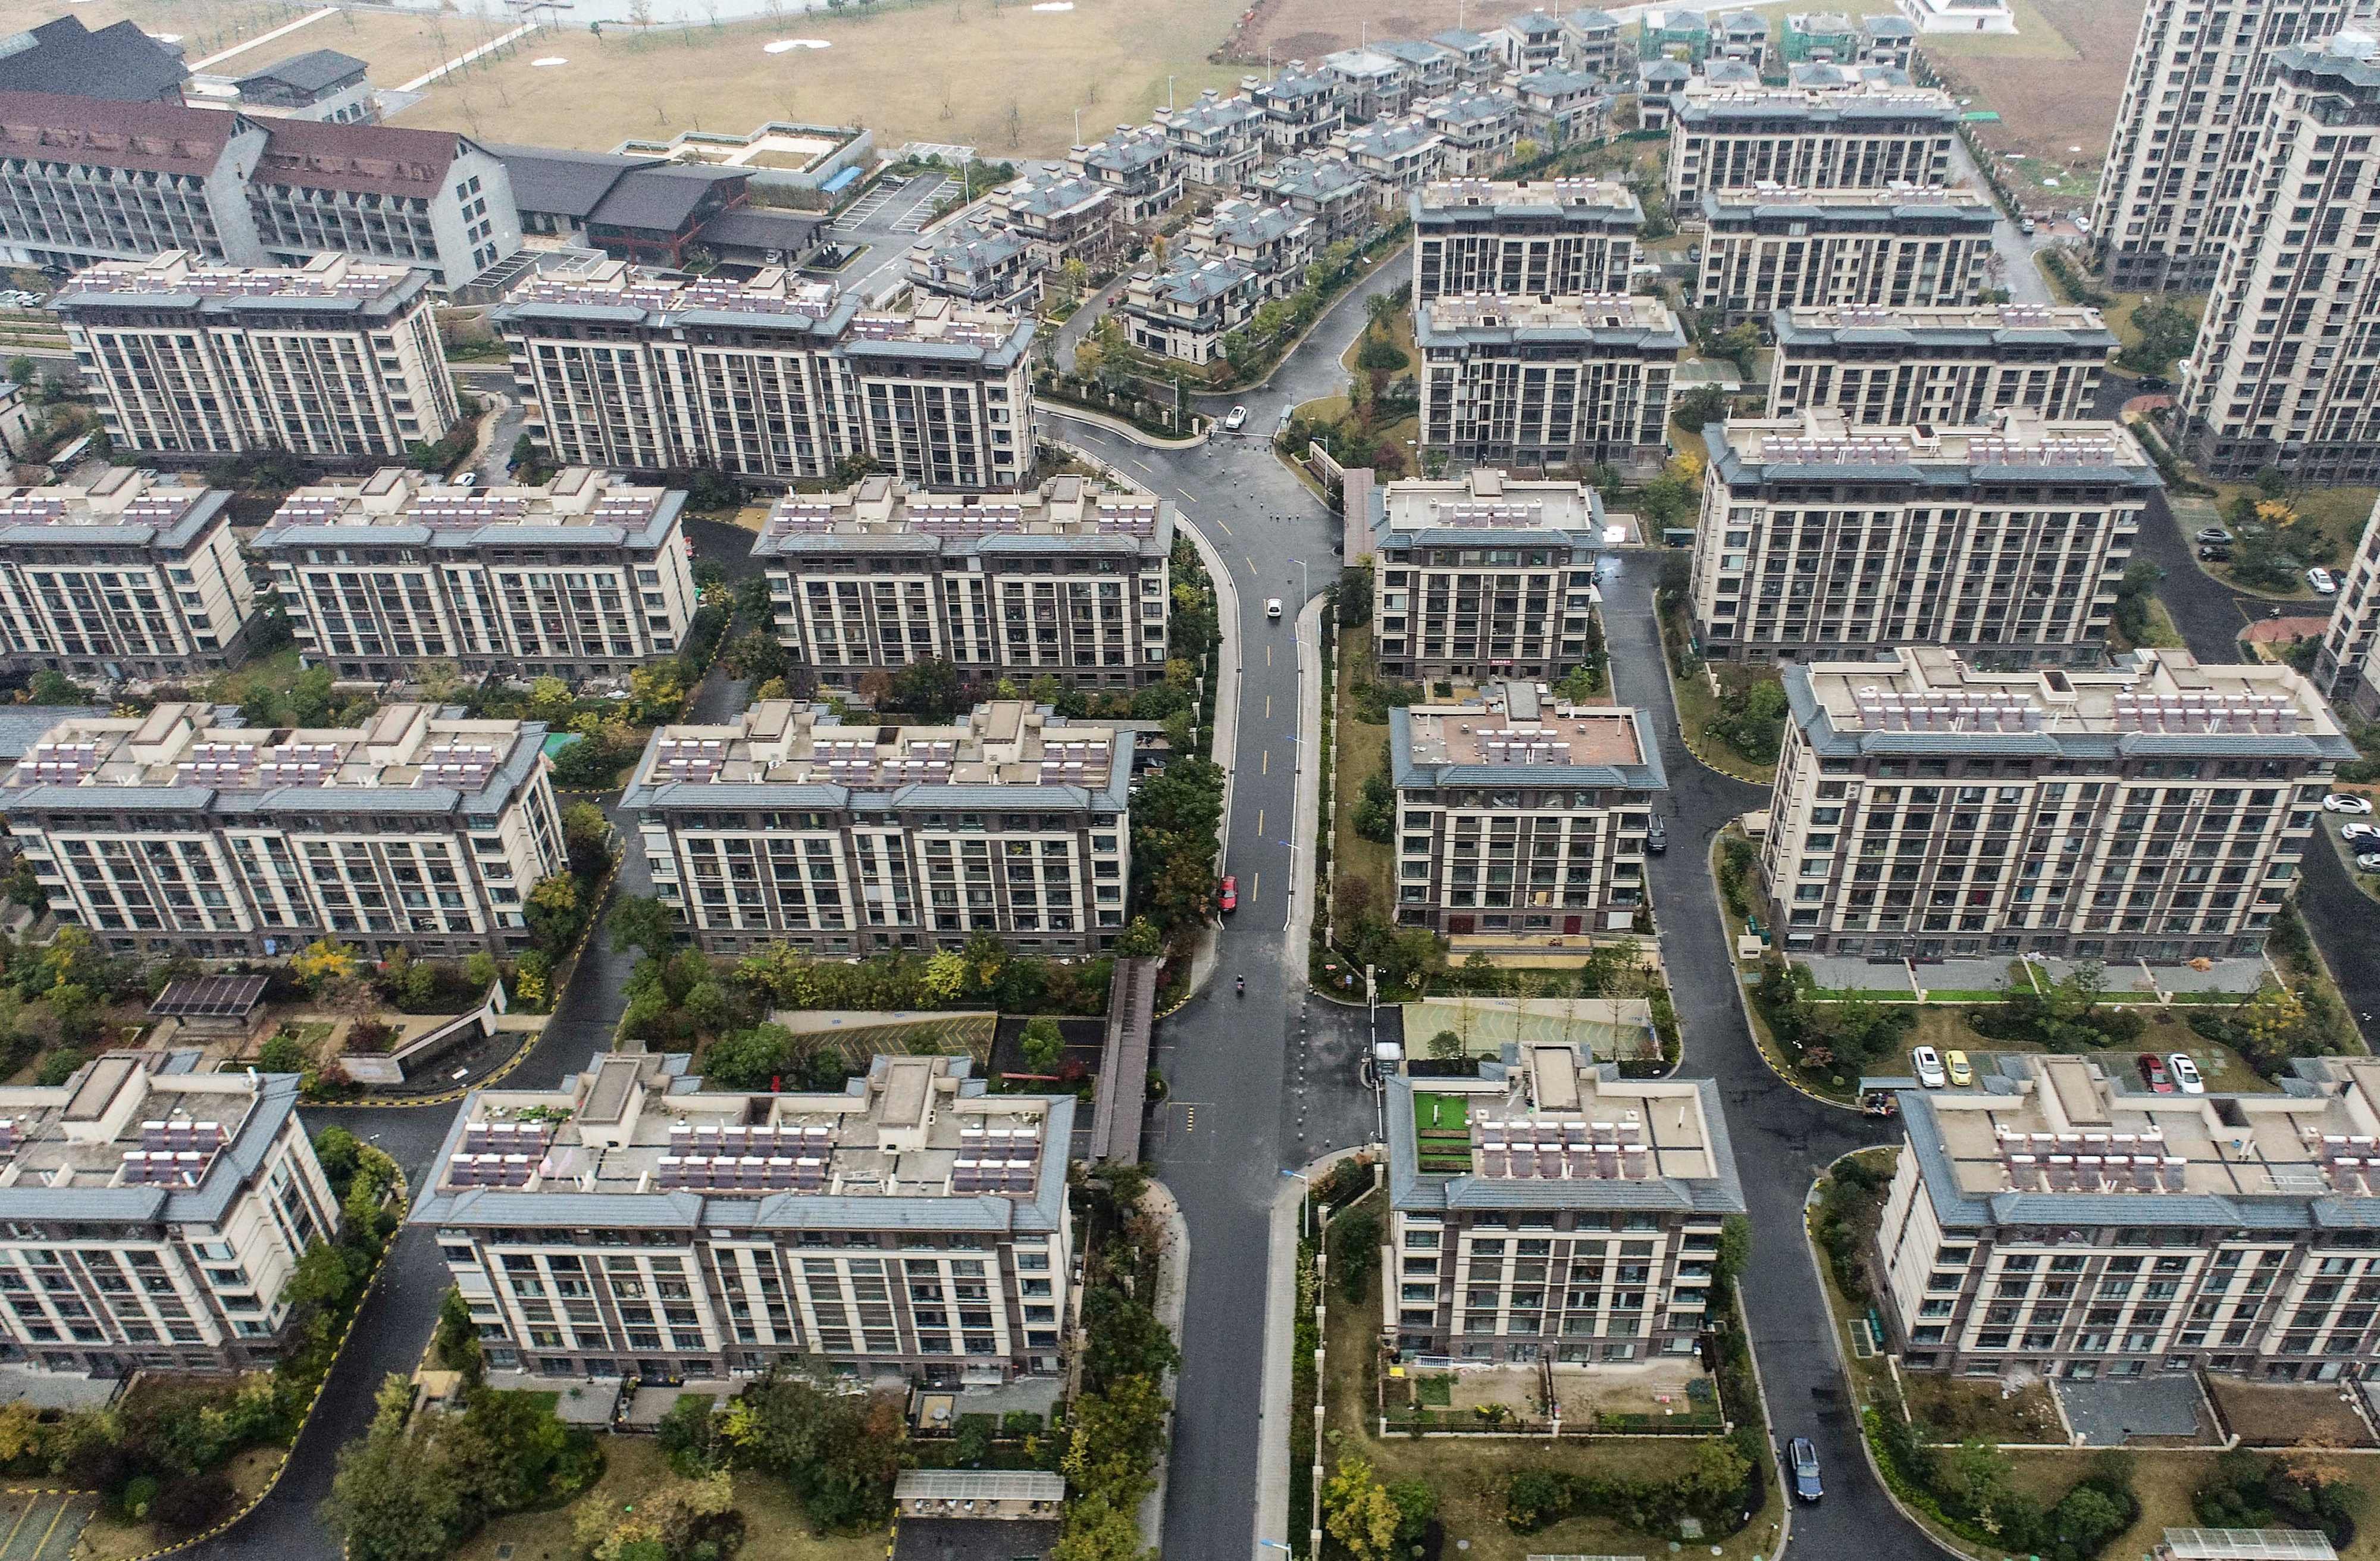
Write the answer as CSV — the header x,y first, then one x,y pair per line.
x,y
1274,1545
1304,586
1305,1209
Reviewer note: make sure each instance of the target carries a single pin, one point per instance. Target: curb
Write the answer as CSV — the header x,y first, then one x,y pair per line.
x,y
1744,1004
1116,426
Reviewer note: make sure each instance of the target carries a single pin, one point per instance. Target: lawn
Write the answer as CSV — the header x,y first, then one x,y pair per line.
x,y
1362,753
1959,1408
2163,1480
401,45
1003,78
1697,707
2035,39
2290,1414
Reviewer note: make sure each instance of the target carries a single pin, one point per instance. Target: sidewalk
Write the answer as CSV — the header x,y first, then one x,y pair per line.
x,y
1173,1288
1278,1415
1298,925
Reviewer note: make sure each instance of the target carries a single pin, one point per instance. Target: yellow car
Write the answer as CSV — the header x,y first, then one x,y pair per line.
x,y
1961,1076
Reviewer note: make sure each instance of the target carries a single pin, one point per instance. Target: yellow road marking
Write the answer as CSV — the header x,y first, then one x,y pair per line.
x,y
20,1522
53,1528
1260,821
1255,885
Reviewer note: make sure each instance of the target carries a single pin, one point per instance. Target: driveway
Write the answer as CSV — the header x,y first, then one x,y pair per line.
x,y
884,222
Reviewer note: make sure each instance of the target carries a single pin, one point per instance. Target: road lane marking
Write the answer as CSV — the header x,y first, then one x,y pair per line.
x,y
1259,823
1264,767
53,1528
29,1505
1226,525
1255,886
1185,495
1137,462
1268,707
1267,655
1252,565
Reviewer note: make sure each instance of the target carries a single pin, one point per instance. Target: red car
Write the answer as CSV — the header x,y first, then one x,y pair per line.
x,y
1227,896
2154,1074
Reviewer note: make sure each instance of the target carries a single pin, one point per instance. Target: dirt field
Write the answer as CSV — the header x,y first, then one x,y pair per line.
x,y
199,26
397,48
2055,85
1002,78
1307,29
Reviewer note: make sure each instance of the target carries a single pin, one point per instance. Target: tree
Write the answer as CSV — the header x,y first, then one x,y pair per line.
x,y
755,654
1043,1046
480,970
22,369
1446,1046
394,1498
440,680
1417,1504
1126,1339
1141,940
929,688
553,912
1356,1512
1100,1528
549,701
1700,407
643,923
281,1054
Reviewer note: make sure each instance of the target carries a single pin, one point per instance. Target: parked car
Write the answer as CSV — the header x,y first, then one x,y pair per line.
x,y
2353,833
2212,534
2346,802
2150,385
1227,895
2028,227
1657,836
1955,1065
468,480
2214,552
2152,1073
2185,1074
1273,606
1926,1063
2367,861
2320,579
1804,1459
1235,419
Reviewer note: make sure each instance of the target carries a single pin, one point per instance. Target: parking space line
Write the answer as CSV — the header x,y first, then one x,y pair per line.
x,y
52,1528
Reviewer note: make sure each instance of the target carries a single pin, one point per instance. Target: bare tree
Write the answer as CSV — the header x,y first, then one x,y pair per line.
x,y
1016,126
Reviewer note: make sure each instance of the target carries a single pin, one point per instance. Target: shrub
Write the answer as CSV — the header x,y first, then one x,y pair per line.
x,y
281,1054
198,1502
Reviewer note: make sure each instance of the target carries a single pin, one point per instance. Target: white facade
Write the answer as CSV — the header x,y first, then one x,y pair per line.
x,y
1901,367
1770,249
1868,135
2343,667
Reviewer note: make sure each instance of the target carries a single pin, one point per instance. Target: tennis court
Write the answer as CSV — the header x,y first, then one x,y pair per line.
x,y
1612,1029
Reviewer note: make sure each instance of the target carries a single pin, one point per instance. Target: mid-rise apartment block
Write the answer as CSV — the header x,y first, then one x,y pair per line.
x,y
2185,136
338,361
1548,1210
1818,538
127,577
1519,816
581,576
1301,108
1862,136
1482,576
156,1215
1580,381
1137,164
1065,580
169,834
1902,367
1763,250
784,827
773,379
2286,369
1185,309
1557,236
634,1223
2344,668
2060,1220
1215,140
2149,809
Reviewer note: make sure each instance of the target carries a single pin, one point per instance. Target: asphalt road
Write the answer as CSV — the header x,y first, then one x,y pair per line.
x,y
886,222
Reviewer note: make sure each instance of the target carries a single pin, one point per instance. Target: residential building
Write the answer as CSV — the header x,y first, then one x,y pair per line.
x,y
156,1214
1580,381
1136,165
1591,42
1396,155
1372,85
127,577
1435,69
1826,37
2153,809
17,423
1955,367
1479,57
2008,537
1275,242
1011,822
1217,139
1561,236
1959,16
1744,36
992,267
1476,129
635,1223
1066,580
1532,42
338,361
1062,216
1726,75
430,197
1659,87
2284,372
2343,667
1560,106
1814,77
1887,41
170,834
1673,33
2184,142
319,84
1301,108
772,379
581,576
1330,190
117,63
2062,1221
1855,137
1575,1218
1763,250
1482,575
1185,309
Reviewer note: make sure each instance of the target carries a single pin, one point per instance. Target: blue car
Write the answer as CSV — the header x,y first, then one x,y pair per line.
x,y
1804,1460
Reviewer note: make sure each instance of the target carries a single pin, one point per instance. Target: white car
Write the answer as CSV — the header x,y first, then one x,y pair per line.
x,y
1272,610
2367,861
2346,802
1235,419
2360,834
2319,577
1927,1062
468,480
2185,1074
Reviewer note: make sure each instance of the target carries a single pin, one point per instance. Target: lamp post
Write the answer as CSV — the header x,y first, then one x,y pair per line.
x,y
1304,1207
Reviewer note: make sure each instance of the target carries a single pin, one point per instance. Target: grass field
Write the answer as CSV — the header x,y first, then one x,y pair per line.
x,y
1002,78
1362,755
198,27
400,47
2056,84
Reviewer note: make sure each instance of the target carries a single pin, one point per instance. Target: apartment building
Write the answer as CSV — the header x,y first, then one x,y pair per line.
x,y
1861,135
1482,575
1330,190
2149,809
338,361
1902,367
1062,217
2184,142
2059,1219
85,179
1580,380
1217,139
1559,237
2286,369
1136,165
1818,538
127,577
2343,668
168,834
1301,108
1185,309
1066,580
156,1215
1591,42
1763,250
1395,155
1274,242
581,576
634,1223
1477,129
1559,106
783,827
992,267
772,379
1574,1216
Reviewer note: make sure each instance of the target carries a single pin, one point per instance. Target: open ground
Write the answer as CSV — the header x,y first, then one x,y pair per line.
x,y
2055,85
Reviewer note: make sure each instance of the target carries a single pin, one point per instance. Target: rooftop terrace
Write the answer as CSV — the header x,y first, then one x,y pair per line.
x,y
581,504
1821,436
1928,688
1485,499
336,276
1064,513
1006,742
405,747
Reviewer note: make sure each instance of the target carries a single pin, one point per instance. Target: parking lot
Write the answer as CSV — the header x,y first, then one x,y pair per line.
x,y
882,225
43,1528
